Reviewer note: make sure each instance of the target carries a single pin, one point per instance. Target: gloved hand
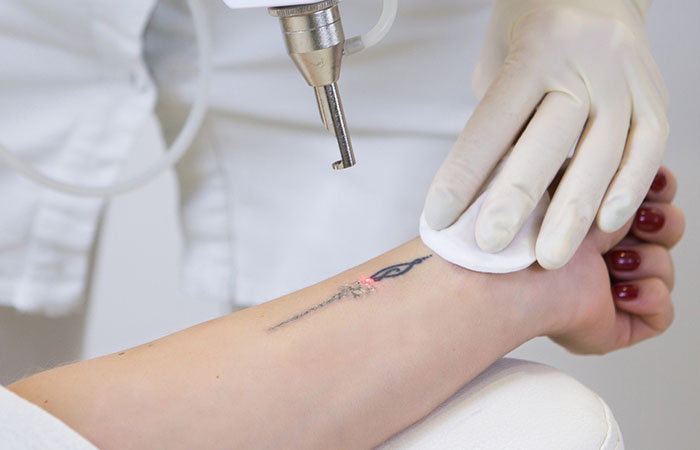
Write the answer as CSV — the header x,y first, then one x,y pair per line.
x,y
561,69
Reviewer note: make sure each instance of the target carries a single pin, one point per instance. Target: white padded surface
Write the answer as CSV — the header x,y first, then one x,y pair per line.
x,y
516,405
25,426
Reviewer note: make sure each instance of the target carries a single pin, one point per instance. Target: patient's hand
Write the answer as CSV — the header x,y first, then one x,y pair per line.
x,y
615,292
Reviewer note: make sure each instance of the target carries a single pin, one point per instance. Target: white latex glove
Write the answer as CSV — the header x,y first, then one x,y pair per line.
x,y
563,69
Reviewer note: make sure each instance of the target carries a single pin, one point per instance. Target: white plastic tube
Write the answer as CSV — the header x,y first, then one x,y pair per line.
x,y
176,151
376,34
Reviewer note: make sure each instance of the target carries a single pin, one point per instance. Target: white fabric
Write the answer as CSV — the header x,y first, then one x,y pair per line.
x,y
25,426
516,405
74,91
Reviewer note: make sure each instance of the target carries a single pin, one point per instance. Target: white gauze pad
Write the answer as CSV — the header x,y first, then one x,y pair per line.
x,y
457,243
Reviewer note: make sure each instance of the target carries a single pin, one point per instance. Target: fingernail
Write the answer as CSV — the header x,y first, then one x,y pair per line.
x,y
626,292
649,220
558,242
624,260
615,213
440,209
494,238
496,225
659,182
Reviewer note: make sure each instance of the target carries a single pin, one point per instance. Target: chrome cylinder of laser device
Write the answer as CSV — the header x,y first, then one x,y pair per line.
x,y
314,37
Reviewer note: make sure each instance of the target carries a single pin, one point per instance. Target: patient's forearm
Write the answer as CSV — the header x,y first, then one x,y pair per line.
x,y
342,364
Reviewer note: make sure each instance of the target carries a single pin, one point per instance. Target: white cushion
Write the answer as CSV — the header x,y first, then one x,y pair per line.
x,y
25,426
516,405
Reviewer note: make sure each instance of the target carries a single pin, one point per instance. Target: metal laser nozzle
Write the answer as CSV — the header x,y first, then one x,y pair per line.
x,y
314,37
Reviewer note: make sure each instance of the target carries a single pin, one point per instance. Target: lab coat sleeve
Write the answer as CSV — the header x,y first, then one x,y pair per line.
x,y
74,93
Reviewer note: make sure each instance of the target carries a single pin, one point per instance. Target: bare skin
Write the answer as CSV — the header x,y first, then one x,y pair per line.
x,y
355,371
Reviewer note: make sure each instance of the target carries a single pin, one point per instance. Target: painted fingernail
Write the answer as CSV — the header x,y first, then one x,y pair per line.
x,y
659,182
649,220
624,260
626,292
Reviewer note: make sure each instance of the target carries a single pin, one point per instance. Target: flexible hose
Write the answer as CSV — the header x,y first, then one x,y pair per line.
x,y
176,151
376,34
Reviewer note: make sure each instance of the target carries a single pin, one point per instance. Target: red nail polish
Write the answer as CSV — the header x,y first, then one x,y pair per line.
x,y
626,292
659,182
624,260
649,220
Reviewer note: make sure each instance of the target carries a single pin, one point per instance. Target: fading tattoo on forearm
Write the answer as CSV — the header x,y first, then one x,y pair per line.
x,y
357,289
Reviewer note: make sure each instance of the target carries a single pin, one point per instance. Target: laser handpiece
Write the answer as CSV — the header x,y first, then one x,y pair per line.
x,y
314,37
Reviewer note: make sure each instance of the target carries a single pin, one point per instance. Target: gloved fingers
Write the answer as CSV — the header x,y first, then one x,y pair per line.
x,y
663,188
659,223
644,310
649,96
496,122
659,85
660,195
532,165
581,190
644,152
632,262
645,71
645,149
487,67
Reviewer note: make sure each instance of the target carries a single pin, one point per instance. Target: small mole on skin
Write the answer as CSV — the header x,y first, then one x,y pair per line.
x,y
45,402
121,353
150,345
217,377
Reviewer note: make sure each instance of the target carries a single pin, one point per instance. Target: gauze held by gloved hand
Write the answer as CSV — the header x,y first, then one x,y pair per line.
x,y
457,243
552,71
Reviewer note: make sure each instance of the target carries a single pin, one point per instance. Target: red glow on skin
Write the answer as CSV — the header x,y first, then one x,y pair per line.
x,y
368,280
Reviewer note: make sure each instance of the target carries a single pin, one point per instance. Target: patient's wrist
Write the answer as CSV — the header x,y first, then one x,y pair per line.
x,y
521,298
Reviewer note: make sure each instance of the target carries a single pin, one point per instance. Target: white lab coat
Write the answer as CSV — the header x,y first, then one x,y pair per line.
x,y
263,213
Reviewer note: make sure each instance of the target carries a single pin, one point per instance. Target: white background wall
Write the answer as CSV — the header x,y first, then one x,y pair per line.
x,y
654,388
